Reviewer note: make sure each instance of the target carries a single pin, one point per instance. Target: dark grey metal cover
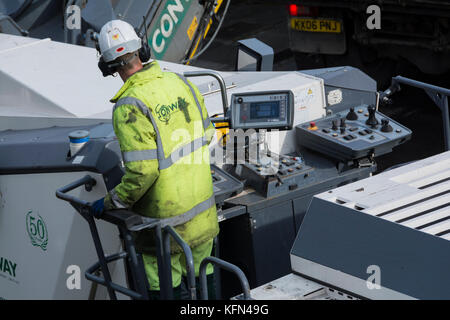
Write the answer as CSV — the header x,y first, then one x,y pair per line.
x,y
46,150
344,77
356,87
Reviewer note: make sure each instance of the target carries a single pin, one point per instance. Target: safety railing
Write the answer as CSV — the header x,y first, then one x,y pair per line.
x,y
227,266
128,222
218,77
439,96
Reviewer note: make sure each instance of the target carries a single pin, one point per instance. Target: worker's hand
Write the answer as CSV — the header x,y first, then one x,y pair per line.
x,y
98,207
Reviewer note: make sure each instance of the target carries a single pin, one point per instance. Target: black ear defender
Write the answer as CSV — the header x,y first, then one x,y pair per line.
x,y
108,69
102,65
105,68
145,51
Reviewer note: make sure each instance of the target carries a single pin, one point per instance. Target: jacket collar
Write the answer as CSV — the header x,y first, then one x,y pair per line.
x,y
150,71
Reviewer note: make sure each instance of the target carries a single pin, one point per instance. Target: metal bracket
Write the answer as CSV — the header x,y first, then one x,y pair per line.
x,y
366,162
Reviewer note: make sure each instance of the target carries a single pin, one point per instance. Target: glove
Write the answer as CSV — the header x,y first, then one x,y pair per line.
x,y
98,207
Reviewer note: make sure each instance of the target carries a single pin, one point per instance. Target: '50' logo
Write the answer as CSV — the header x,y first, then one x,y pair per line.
x,y
37,230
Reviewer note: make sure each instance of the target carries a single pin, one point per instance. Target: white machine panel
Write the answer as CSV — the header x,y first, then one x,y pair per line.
x,y
295,287
40,240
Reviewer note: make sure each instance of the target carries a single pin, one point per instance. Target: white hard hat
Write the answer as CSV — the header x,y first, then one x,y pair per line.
x,y
117,38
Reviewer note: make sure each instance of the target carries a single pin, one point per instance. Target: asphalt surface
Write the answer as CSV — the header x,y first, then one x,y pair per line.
x,y
268,22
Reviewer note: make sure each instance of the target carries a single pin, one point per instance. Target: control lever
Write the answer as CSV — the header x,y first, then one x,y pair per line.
x,y
334,125
280,182
372,120
343,125
385,126
385,95
351,115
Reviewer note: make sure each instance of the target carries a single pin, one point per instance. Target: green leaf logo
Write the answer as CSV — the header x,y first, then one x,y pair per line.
x,y
37,230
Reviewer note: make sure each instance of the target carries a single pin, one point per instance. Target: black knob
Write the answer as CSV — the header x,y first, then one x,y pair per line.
x,y
351,115
372,120
343,125
385,126
240,100
335,125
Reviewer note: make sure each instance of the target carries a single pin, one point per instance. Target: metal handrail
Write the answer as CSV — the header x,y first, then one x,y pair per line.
x,y
82,207
227,266
218,77
439,96
190,269
90,275
119,219
86,181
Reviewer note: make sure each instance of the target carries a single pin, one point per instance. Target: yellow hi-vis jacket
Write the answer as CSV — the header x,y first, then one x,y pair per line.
x,y
164,131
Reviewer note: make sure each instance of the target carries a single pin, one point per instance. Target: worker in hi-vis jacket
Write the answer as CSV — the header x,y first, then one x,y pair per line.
x,y
164,131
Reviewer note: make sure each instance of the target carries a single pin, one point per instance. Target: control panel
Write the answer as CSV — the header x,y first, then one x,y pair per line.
x,y
290,174
352,134
224,184
262,110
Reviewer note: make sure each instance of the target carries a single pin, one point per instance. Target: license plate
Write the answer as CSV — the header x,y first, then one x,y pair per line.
x,y
316,25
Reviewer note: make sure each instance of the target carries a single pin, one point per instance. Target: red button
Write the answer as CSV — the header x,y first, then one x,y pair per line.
x,y
312,124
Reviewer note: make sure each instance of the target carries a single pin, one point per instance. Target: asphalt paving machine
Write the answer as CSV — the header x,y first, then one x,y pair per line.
x,y
281,138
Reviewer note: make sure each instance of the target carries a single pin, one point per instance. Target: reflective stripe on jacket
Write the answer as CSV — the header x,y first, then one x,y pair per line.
x,y
164,131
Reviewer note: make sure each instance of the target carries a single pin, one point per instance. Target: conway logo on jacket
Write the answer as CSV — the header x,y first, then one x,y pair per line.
x,y
164,112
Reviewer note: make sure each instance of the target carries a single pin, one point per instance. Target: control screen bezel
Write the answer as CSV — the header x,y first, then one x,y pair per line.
x,y
238,99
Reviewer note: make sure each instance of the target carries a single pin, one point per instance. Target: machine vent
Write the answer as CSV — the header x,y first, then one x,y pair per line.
x,y
430,214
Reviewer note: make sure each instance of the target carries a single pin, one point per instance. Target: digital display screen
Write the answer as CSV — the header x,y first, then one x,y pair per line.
x,y
265,110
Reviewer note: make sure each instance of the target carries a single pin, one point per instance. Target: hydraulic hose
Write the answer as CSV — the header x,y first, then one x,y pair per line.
x,y
213,36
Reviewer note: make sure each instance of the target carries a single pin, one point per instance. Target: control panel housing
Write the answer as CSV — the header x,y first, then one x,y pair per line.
x,y
292,174
224,184
352,134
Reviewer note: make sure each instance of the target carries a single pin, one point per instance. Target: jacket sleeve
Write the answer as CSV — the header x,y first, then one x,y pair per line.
x,y
210,129
137,139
